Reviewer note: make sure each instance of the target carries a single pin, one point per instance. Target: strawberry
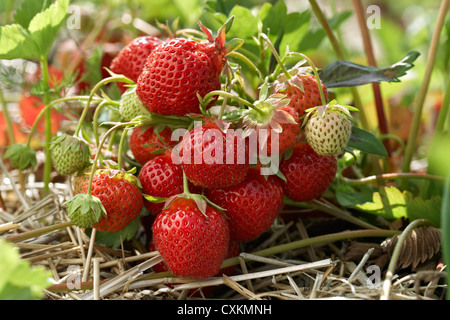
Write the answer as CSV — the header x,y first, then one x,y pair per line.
x,y
130,106
302,90
210,158
251,206
233,251
160,177
120,195
69,154
131,59
191,242
328,129
179,70
146,142
307,173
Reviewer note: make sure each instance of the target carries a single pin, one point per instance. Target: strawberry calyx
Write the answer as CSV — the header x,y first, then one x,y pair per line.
x,y
331,106
282,82
85,210
200,200
121,174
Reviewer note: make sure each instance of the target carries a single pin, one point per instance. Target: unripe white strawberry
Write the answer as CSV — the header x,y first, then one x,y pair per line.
x,y
328,129
130,105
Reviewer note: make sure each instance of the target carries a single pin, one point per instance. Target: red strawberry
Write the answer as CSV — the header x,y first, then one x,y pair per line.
x,y
131,59
307,173
120,195
179,70
233,251
192,243
161,178
147,141
251,206
211,158
302,91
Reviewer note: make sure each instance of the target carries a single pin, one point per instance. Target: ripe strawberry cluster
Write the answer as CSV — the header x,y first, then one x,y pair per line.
x,y
208,191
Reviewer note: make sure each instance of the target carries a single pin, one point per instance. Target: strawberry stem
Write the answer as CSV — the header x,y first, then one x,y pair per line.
x,y
276,55
121,148
316,74
115,78
48,123
42,112
231,96
100,146
186,185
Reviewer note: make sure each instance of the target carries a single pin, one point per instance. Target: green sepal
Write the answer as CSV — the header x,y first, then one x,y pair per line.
x,y
21,156
85,210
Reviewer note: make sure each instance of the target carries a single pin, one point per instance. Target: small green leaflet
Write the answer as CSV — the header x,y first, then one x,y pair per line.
x,y
366,141
348,74
35,40
391,203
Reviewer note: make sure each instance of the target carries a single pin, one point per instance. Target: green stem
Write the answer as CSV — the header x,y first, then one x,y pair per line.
x,y
276,55
121,148
117,78
414,131
443,113
247,61
48,125
391,176
185,185
9,126
95,119
100,146
43,111
316,74
233,97
396,253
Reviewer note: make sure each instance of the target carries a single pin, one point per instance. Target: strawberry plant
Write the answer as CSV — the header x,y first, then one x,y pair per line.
x,y
196,146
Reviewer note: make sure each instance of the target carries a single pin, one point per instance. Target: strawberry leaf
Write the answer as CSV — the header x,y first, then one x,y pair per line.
x,y
35,40
366,141
27,10
21,156
344,73
19,280
391,203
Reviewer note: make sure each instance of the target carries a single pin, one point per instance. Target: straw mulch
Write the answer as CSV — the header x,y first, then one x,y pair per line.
x,y
82,269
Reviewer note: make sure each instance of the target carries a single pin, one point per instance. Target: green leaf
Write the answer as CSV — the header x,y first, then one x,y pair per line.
x,y
366,141
349,197
391,203
13,41
20,281
21,156
45,25
28,9
35,40
244,24
344,73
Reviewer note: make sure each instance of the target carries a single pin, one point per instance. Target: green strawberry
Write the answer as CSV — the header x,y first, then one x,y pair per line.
x,y
130,106
69,154
328,129
85,210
